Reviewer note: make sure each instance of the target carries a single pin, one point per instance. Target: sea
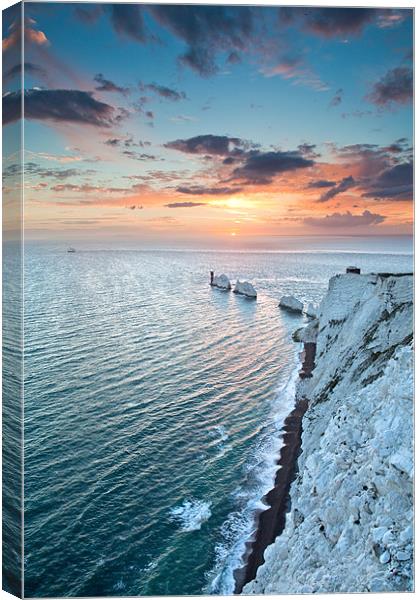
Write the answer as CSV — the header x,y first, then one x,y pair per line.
x,y
154,406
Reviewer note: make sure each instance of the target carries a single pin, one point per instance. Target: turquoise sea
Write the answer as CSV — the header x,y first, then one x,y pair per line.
x,y
154,406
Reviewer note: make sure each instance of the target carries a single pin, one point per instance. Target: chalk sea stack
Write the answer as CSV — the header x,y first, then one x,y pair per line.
x,y
291,304
245,288
220,281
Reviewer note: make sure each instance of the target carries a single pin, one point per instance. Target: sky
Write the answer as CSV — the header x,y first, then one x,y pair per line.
x,y
168,124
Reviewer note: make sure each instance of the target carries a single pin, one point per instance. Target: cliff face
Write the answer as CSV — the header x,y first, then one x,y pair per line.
x,y
350,524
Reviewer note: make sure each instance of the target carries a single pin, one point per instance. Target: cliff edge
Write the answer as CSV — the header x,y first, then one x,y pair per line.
x,y
349,528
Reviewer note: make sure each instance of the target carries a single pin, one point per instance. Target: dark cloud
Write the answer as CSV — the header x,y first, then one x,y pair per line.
x,y
113,142
207,31
397,147
254,166
345,184
337,98
58,173
395,183
262,167
30,69
71,106
329,22
32,168
164,92
395,87
345,220
233,58
215,145
321,183
184,204
367,160
105,85
139,156
127,20
88,189
207,191
308,150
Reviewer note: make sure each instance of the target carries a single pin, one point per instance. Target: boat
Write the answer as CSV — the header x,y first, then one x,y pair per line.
x,y
71,249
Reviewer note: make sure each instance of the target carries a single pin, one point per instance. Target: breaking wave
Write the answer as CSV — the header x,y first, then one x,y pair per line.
x,y
191,514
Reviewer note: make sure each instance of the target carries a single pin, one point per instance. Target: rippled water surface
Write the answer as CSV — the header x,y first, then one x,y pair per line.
x,y
153,411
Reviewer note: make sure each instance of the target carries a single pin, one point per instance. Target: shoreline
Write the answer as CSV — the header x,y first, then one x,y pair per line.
x,y
271,521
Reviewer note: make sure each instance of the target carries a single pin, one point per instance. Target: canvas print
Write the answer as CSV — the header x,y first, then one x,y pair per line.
x,y
207,299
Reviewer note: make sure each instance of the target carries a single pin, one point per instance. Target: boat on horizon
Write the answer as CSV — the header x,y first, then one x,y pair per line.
x,y
71,249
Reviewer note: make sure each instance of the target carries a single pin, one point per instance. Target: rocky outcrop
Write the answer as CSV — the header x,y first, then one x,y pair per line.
x,y
349,528
291,304
309,333
245,289
222,282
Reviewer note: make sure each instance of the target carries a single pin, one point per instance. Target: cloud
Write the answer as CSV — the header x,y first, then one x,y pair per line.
x,y
207,31
29,68
262,167
337,98
394,183
183,119
89,189
32,168
127,20
208,191
395,87
345,220
139,155
345,184
184,204
329,22
321,183
293,68
308,150
66,106
31,35
105,85
233,58
12,107
215,145
367,160
164,92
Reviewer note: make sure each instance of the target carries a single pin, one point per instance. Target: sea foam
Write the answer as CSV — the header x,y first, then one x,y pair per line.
x,y
260,472
191,514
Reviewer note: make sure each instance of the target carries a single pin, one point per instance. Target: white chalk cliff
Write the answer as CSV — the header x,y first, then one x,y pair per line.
x,y
245,289
350,524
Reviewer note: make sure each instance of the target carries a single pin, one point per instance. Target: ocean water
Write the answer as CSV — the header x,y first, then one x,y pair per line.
x,y
154,407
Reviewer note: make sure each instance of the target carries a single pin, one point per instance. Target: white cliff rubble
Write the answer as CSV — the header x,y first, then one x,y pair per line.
x,y
311,311
350,525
